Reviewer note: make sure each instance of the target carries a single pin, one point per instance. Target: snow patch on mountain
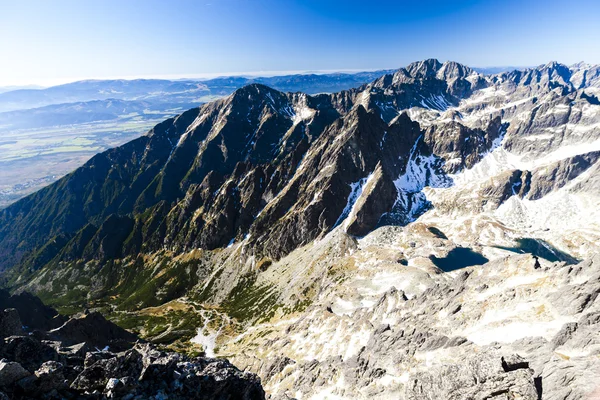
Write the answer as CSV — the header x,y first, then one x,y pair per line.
x,y
356,190
421,171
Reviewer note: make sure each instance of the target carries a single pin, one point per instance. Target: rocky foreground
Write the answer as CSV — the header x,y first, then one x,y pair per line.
x,y
88,357
519,327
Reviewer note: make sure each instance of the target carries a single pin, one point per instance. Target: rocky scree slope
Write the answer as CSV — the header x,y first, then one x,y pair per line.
x,y
274,222
518,327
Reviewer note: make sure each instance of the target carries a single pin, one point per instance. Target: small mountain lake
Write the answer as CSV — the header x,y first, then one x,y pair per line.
x,y
459,257
540,248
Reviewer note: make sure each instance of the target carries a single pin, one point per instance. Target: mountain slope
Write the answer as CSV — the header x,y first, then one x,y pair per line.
x,y
255,126
276,216
279,170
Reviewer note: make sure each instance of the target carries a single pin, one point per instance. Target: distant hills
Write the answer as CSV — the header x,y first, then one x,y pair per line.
x,y
175,92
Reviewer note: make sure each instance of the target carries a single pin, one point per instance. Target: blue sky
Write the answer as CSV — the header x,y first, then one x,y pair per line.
x,y
48,42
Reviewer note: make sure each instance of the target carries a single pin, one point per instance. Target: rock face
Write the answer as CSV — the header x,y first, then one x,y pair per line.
x,y
31,311
272,167
278,171
34,368
11,372
144,372
94,330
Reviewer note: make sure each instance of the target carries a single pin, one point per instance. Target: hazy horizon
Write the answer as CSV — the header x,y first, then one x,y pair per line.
x,y
207,76
68,40
193,76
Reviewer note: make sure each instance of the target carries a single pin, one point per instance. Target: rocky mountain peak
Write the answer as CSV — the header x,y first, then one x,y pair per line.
x,y
254,102
424,69
557,71
451,70
542,78
256,93
432,68
580,65
268,133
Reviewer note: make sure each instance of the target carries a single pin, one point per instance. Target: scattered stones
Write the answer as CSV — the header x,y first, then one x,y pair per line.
x,y
504,330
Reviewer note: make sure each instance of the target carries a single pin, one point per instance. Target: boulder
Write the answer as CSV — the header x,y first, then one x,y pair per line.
x,y
33,313
218,377
11,372
27,351
66,367
10,323
93,329
50,376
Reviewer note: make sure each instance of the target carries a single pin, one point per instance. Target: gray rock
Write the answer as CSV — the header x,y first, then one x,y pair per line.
x,y
275,366
10,323
50,376
574,299
557,175
564,335
93,329
11,372
479,377
565,379
28,351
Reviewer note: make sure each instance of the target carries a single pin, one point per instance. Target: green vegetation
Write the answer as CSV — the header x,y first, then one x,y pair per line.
x,y
163,328
248,302
131,284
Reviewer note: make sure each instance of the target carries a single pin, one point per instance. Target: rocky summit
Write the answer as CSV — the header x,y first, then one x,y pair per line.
x,y
432,234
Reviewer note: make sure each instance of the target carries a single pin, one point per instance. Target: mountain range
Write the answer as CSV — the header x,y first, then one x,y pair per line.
x,y
174,91
46,133
363,243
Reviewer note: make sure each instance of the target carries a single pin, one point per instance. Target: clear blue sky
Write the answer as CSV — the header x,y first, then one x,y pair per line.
x,y
50,41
